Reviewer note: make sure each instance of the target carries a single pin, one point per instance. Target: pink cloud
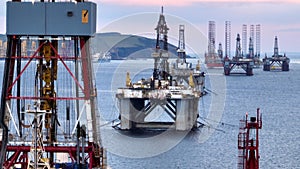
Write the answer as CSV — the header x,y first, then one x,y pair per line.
x,y
185,2
148,2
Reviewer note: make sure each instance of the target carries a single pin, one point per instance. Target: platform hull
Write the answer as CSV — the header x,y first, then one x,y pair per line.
x,y
182,111
276,63
245,64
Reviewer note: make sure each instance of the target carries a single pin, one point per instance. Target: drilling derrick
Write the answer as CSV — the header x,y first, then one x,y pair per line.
x,y
251,49
248,142
181,44
238,52
161,54
46,92
220,51
276,53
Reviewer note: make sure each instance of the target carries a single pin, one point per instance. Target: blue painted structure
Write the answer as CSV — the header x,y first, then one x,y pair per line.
x,y
56,19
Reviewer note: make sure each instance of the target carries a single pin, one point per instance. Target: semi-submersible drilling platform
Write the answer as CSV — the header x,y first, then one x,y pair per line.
x,y
48,102
175,89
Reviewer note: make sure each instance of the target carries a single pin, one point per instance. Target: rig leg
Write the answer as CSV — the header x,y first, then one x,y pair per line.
x,y
227,71
126,123
227,68
186,115
285,66
266,67
249,70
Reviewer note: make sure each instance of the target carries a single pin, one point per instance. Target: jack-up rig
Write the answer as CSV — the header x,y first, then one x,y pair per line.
x,y
238,61
213,59
175,90
276,62
248,142
251,54
48,103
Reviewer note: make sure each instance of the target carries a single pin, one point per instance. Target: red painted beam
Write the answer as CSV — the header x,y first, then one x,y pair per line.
x,y
58,149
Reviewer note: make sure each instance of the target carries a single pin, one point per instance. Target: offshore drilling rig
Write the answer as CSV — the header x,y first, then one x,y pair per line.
x,y
48,102
213,59
238,61
277,61
175,89
255,55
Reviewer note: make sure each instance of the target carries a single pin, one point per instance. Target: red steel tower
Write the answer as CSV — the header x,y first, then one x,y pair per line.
x,y
47,93
248,142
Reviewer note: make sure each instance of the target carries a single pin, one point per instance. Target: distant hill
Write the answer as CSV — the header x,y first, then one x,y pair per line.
x,y
123,46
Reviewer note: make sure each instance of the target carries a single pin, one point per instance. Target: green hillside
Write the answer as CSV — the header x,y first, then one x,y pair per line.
x,y
126,46
121,46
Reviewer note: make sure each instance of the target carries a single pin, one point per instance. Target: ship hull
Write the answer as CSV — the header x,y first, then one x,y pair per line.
x,y
213,61
214,65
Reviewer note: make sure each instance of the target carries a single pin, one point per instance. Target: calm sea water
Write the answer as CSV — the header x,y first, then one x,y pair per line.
x,y
277,94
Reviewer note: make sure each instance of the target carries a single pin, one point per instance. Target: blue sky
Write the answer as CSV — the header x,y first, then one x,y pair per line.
x,y
277,18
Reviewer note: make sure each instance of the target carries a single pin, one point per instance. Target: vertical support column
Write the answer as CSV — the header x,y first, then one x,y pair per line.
x,y
180,123
19,85
7,81
194,105
85,65
76,54
125,115
187,114
184,115
89,92
53,129
131,112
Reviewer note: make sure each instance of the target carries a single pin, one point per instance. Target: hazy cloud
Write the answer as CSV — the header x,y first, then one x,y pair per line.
x,y
290,30
188,2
